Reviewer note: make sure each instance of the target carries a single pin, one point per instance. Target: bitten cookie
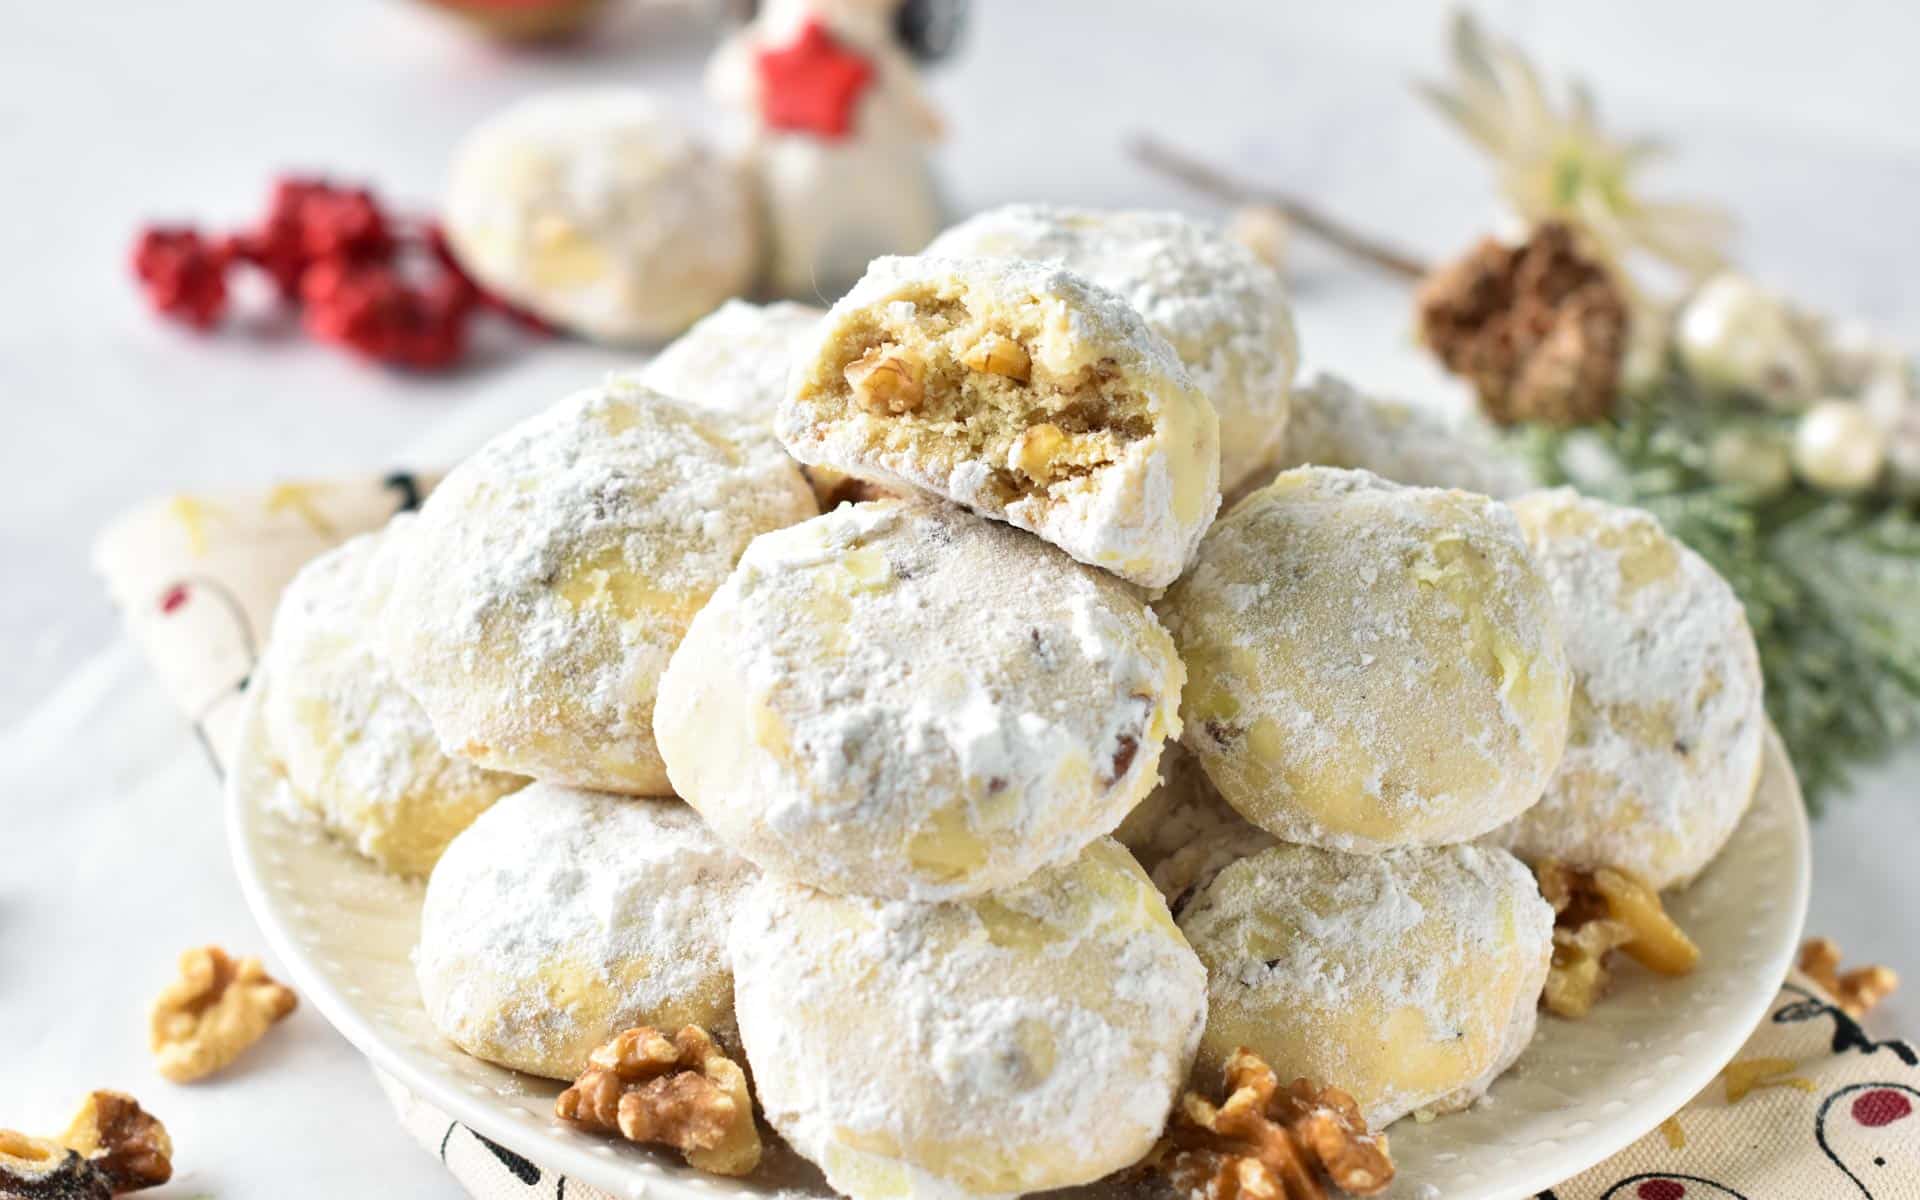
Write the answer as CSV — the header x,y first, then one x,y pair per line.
x,y
353,750
549,577
562,917
1224,311
1409,979
602,212
737,361
1023,392
1012,1043
1665,744
1371,665
903,699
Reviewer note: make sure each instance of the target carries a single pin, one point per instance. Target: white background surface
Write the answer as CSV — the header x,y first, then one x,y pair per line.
x,y
111,114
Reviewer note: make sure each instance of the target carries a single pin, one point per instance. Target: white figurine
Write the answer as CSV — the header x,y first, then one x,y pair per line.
x,y
839,136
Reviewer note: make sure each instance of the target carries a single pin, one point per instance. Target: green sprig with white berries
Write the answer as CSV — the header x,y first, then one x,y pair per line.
x,y
1830,579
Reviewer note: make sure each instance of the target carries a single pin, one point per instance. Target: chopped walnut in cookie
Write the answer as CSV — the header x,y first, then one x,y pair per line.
x,y
216,1009
888,379
1595,913
113,1146
1268,1143
682,1092
1856,992
997,354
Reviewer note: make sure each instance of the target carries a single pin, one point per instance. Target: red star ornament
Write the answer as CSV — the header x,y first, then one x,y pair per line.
x,y
812,84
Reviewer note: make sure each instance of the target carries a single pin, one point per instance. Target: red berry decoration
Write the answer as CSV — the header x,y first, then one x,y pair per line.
x,y
183,274
369,309
338,255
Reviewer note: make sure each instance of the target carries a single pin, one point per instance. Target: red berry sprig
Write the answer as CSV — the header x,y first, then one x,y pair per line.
x,y
388,290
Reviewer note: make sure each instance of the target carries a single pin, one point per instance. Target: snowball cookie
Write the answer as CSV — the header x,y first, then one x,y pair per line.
x,y
1409,979
903,699
602,212
1372,665
352,749
1225,311
1027,1040
1334,424
562,917
737,360
1664,747
549,577
1022,392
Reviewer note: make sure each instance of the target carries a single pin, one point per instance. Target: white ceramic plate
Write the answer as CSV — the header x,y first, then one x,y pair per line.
x,y
1582,1091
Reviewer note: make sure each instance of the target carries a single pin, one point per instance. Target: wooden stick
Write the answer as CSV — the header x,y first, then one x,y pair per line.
x,y
1206,179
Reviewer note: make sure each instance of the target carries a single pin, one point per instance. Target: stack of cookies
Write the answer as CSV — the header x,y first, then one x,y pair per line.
x,y
838,786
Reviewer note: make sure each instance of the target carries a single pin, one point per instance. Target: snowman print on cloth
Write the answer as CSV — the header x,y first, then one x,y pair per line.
x,y
1669,1187
1870,1132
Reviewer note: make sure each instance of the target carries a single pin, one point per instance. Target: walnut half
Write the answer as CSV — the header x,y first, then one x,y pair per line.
x,y
124,1142
216,1009
1858,991
112,1147
1268,1143
40,1169
1595,913
681,1092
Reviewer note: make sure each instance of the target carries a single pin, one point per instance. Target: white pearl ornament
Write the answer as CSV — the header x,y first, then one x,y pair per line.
x,y
1837,447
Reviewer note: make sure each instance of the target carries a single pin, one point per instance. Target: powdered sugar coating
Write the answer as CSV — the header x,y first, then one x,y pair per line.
x,y
1140,515
1183,833
1372,665
550,576
736,359
1408,979
562,917
1026,1040
903,699
1225,312
354,751
1668,726
1335,424
603,212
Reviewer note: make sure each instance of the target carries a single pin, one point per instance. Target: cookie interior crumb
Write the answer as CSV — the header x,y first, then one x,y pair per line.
x,y
953,384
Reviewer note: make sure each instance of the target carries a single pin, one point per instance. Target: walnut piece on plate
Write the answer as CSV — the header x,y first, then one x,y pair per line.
x,y
1858,991
216,1009
1595,913
1265,1142
682,1092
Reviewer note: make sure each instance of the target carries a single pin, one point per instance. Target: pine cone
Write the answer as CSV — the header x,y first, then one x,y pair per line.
x,y
1538,329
